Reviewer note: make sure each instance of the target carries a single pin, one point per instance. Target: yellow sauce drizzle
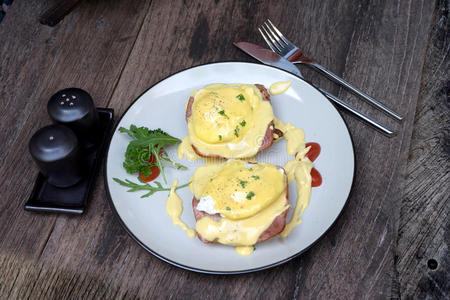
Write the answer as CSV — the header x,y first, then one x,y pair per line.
x,y
185,149
202,177
298,170
295,137
244,250
301,172
279,87
174,208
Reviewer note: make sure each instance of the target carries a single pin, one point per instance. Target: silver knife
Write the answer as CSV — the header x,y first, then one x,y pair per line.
x,y
271,58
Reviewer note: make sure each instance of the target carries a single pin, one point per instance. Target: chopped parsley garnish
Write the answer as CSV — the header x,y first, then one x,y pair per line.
x,y
251,169
250,195
240,97
227,208
236,131
255,177
222,113
146,149
243,123
243,183
211,179
220,137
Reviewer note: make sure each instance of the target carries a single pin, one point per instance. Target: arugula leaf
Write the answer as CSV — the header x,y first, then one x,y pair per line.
x,y
146,143
146,186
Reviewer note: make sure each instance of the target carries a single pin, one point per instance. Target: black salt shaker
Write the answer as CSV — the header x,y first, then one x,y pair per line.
x,y
75,108
56,151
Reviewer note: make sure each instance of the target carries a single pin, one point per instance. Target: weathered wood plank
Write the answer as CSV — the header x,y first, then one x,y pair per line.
x,y
378,45
383,59
87,50
367,227
424,231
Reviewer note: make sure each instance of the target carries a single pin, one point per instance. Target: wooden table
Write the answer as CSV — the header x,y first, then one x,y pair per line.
x,y
396,220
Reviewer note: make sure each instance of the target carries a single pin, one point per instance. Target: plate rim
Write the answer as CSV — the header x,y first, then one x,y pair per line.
x,y
204,271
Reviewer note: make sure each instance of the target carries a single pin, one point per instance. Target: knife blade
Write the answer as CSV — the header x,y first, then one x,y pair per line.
x,y
268,57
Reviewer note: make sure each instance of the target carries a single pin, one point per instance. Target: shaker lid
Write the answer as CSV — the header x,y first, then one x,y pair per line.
x,y
52,143
69,105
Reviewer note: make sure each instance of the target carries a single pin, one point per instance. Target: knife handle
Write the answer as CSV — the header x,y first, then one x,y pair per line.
x,y
355,90
375,124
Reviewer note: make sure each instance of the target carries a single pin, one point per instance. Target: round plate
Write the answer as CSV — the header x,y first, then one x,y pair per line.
x,y
163,106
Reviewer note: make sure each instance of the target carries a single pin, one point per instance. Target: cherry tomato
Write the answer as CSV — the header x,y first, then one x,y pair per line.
x,y
154,170
314,152
316,178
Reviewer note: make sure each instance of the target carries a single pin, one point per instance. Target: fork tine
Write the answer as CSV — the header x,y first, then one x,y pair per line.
x,y
285,40
274,34
274,42
268,42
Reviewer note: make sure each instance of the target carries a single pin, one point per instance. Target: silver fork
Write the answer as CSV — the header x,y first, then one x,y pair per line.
x,y
282,46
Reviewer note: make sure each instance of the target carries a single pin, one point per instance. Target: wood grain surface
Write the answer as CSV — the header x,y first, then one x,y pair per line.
x,y
117,49
424,231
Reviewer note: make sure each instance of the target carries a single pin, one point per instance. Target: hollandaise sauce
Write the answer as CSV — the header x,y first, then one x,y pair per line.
x,y
279,87
229,120
295,137
300,171
244,250
248,196
295,146
174,208
244,232
185,149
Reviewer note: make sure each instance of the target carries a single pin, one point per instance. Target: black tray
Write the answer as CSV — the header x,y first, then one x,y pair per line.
x,y
73,200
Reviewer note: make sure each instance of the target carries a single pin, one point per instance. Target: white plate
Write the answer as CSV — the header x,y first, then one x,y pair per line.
x,y
163,106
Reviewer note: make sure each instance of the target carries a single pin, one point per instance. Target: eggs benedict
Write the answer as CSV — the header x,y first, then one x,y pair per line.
x,y
240,204
228,121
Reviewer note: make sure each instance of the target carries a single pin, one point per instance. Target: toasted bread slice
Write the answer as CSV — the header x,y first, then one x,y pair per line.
x,y
274,229
268,137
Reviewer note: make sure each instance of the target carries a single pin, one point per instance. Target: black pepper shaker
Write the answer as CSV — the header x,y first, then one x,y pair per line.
x,y
56,151
75,108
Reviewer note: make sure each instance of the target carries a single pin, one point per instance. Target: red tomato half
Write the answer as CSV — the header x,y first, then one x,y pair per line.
x,y
154,170
314,152
316,178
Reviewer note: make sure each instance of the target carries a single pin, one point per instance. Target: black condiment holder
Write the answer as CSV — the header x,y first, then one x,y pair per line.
x,y
46,197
